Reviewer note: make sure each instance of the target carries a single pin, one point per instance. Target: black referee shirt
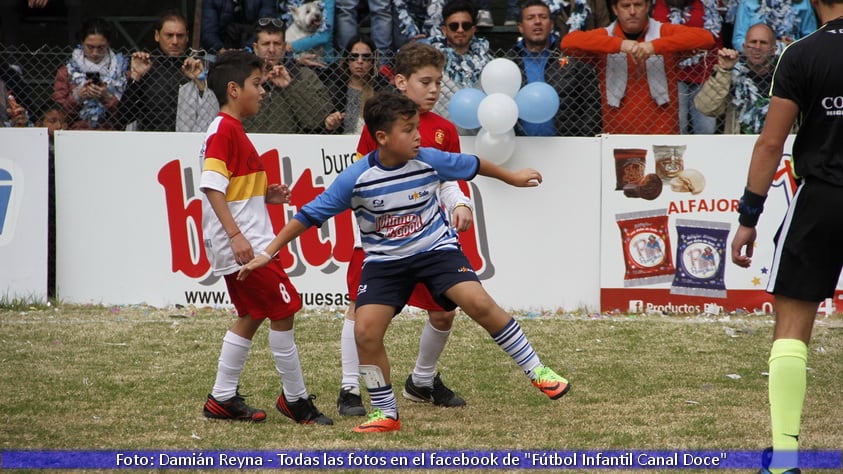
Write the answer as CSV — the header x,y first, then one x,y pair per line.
x,y
810,73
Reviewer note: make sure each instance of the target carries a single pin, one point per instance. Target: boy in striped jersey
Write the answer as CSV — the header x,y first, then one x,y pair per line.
x,y
407,240
418,75
235,224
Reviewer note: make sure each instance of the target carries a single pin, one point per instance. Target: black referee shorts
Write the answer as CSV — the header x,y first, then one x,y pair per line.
x,y
809,244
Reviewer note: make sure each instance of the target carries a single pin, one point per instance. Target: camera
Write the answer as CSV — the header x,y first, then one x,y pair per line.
x,y
94,77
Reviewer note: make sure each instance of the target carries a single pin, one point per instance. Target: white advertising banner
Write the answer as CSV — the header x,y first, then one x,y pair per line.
x,y
23,214
129,217
668,216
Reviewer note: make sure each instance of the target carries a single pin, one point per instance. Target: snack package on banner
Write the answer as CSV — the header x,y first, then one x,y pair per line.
x,y
630,164
700,258
669,160
646,247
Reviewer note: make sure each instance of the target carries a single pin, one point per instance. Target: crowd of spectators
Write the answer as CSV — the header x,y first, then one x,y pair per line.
x,y
618,66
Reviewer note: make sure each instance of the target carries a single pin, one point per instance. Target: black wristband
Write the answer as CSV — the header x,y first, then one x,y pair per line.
x,y
750,208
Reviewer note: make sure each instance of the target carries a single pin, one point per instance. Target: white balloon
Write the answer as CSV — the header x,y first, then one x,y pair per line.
x,y
501,75
496,148
497,113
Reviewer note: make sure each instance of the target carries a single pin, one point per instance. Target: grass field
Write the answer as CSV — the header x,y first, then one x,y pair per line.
x,y
132,378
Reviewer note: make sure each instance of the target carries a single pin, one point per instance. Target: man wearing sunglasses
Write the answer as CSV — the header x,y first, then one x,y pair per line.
x,y
296,101
465,53
228,24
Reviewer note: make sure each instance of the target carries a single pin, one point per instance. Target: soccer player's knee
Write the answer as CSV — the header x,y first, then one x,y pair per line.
x,y
364,334
442,320
480,306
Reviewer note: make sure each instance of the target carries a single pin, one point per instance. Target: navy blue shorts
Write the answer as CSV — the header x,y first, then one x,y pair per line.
x,y
809,256
391,283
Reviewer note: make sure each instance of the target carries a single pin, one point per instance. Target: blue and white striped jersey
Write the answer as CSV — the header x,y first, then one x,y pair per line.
x,y
397,209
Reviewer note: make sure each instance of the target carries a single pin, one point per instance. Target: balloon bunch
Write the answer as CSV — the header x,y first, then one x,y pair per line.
x,y
500,104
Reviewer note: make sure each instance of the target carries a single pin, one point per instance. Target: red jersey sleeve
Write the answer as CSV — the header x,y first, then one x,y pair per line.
x,y
220,145
453,138
366,144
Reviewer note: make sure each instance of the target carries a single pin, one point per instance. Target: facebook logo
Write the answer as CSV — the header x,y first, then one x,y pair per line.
x,y
636,306
6,186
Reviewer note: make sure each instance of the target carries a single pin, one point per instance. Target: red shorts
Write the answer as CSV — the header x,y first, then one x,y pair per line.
x,y
421,297
266,293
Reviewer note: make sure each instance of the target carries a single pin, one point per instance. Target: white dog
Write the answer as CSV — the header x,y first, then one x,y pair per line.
x,y
306,20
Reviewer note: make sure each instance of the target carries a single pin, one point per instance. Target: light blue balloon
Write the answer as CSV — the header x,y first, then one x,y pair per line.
x,y
537,102
462,109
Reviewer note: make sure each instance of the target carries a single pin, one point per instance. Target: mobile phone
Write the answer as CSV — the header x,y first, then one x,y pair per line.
x,y
94,77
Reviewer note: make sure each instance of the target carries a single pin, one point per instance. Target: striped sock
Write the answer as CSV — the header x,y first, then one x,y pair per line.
x,y
383,398
513,341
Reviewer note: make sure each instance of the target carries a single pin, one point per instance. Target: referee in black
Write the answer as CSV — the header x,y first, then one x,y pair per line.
x,y
808,82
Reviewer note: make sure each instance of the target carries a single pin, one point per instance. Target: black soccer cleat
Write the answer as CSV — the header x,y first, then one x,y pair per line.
x,y
302,410
233,409
439,395
350,403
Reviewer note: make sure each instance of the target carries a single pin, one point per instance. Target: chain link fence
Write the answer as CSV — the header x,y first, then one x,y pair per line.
x,y
166,100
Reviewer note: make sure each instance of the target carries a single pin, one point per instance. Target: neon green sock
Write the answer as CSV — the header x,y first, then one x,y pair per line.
x,y
788,362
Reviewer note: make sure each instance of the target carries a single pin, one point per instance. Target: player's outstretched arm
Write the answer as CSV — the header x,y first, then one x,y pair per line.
x,y
523,178
293,229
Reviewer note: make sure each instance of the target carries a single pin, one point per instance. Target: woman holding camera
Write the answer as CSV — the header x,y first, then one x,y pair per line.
x,y
90,85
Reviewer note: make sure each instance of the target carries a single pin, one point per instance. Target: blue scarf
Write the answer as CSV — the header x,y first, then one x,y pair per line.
x,y
750,103
112,71
712,21
464,69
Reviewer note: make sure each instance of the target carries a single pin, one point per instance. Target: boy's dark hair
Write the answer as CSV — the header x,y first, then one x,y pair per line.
x,y
231,66
384,108
96,26
414,56
170,15
539,3
50,106
615,2
456,6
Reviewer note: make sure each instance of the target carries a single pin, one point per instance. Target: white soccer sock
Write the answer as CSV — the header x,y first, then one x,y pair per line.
x,y
348,353
235,350
282,344
431,344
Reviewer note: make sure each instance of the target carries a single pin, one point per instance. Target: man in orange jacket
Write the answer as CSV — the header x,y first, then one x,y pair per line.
x,y
637,59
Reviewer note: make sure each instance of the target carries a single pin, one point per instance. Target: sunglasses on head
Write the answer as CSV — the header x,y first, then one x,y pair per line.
x,y
455,26
275,22
363,56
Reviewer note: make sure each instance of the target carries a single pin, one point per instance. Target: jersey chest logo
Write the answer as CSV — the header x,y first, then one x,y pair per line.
x,y
398,226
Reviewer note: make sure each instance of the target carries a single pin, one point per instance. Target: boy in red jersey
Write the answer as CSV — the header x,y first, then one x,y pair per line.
x,y
235,222
418,76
